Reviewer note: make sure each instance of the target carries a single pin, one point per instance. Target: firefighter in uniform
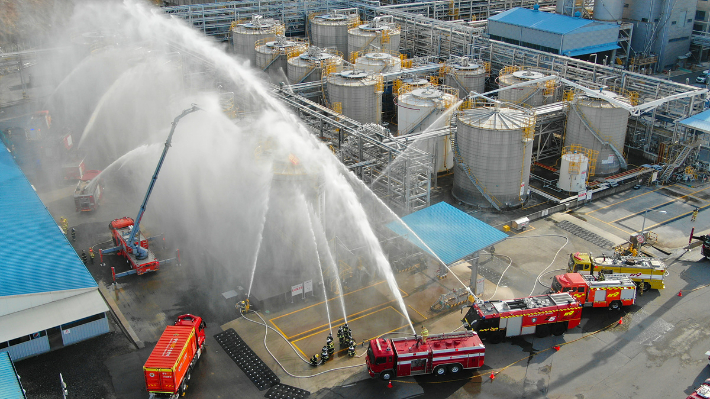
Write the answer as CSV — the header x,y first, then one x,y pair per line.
x,y
91,255
83,256
695,215
243,306
73,234
425,334
65,225
314,360
351,349
324,354
341,336
330,345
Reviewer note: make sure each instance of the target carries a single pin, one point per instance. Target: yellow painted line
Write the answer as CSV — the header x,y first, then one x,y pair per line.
x,y
628,199
336,321
282,333
659,205
357,318
607,223
682,215
418,312
299,349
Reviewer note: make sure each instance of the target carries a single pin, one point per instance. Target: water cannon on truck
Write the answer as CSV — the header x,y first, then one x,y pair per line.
x,y
647,273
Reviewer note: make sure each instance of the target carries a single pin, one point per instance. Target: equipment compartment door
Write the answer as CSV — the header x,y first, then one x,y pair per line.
x,y
514,326
599,295
418,366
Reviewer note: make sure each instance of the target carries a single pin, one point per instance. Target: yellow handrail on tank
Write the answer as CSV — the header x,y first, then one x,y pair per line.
x,y
550,86
385,36
568,95
329,66
487,66
434,79
337,107
379,84
529,130
354,56
406,63
587,152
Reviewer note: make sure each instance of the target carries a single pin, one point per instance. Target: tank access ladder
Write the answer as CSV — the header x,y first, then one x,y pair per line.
x,y
682,156
455,149
598,136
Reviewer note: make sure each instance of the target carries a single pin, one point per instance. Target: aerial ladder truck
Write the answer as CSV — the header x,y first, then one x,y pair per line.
x,y
128,240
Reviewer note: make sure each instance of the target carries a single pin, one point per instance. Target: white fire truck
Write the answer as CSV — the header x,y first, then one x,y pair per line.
x,y
607,290
438,354
539,315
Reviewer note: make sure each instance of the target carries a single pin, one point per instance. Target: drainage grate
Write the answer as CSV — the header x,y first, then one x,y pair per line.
x,y
585,234
281,391
262,376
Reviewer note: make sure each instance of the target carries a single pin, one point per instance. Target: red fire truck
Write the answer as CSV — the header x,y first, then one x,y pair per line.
x,y
170,365
607,290
440,354
539,315
88,192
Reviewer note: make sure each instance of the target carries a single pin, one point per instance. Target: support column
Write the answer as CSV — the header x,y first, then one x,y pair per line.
x,y
474,272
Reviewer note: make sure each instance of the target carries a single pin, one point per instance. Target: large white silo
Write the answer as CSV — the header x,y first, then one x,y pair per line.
x,y
311,65
419,108
495,145
608,10
330,30
379,34
599,125
378,62
358,93
534,95
272,54
466,75
245,36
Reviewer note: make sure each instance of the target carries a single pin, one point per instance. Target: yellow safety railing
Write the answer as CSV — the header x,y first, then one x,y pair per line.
x,y
529,130
396,85
354,56
434,80
407,63
379,84
385,36
568,95
487,65
550,86
337,107
587,152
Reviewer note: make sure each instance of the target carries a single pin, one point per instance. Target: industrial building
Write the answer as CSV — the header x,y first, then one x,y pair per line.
x,y
559,34
48,299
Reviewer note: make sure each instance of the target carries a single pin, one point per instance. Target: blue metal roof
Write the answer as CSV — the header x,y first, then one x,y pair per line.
x,y
591,49
34,256
699,121
449,232
10,387
543,21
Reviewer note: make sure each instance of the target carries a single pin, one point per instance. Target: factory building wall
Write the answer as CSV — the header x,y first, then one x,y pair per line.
x,y
661,27
526,37
587,37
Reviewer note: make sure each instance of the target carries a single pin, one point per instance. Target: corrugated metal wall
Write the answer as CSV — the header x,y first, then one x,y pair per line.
x,y
85,331
29,348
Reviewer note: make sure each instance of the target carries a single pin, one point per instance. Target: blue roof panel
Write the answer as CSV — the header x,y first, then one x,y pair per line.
x,y
10,387
543,21
35,255
449,232
591,49
699,121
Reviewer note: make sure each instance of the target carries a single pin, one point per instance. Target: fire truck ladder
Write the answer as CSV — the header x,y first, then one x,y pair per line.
x,y
457,155
668,171
599,136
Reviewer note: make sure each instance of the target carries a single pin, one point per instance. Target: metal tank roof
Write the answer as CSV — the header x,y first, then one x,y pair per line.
x,y
591,101
27,227
496,118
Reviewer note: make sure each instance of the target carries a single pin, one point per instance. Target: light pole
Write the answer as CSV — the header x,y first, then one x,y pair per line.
x,y
643,226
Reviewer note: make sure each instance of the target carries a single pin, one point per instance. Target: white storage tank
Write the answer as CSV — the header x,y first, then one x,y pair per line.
x,y
244,36
534,95
495,145
358,93
466,76
330,30
377,62
573,172
381,33
419,108
608,10
599,125
272,54
310,66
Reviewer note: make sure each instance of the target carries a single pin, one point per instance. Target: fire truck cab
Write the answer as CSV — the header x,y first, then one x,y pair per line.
x,y
438,354
540,315
609,290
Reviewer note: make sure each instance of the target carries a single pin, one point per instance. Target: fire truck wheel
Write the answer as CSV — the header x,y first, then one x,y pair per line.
x,y
386,375
542,331
441,370
454,368
495,338
616,305
559,329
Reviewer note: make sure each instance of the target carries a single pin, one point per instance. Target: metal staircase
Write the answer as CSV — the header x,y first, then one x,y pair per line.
x,y
668,171
599,136
459,159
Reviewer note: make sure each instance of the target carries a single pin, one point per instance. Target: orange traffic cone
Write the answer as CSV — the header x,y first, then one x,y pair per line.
x,y
621,321
556,347
680,293
390,384
493,376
